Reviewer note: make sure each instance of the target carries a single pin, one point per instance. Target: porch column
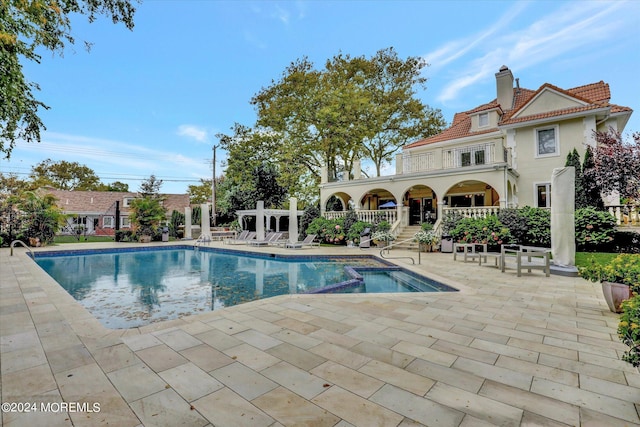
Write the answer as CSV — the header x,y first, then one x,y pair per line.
x,y
293,219
205,228
187,223
260,220
324,175
441,205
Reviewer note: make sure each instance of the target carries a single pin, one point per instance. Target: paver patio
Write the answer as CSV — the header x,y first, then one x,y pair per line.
x,y
503,351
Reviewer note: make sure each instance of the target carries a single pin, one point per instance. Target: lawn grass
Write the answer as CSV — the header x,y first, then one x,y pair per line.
x,y
83,239
584,258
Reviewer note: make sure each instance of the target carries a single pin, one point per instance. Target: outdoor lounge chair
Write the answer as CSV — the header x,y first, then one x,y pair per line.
x,y
270,238
308,241
239,241
241,236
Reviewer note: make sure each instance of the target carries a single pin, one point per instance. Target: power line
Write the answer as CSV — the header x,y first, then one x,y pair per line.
x,y
131,177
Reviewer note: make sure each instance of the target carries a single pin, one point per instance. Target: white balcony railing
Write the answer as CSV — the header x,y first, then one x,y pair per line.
x,y
473,212
470,155
372,216
626,215
418,162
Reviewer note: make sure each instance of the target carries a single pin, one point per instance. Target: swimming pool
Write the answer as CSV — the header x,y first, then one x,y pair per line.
x,y
135,287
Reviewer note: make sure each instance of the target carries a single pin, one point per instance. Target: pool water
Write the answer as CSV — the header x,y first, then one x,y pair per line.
x,y
125,289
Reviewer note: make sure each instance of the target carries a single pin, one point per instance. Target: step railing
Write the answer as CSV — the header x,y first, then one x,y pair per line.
x,y
388,247
23,244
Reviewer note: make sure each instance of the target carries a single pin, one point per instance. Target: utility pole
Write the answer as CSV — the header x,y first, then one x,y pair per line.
x,y
213,187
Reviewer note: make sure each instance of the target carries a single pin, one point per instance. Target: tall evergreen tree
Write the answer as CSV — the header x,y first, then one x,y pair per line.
x,y
573,159
590,187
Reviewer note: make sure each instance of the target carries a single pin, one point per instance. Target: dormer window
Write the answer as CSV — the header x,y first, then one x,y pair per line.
x,y
483,120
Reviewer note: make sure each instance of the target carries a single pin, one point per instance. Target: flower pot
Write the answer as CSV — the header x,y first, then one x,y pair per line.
x,y
614,294
144,238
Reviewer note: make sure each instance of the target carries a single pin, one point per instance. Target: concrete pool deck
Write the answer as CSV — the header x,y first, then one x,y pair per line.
x,y
503,351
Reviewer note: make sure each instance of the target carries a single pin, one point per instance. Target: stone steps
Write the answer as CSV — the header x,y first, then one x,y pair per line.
x,y
407,233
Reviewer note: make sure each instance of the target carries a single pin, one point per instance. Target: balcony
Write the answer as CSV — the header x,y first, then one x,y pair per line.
x,y
454,158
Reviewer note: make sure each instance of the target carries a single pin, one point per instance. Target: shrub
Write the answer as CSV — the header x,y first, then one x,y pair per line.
x,y
328,230
310,213
516,222
594,229
487,230
382,226
426,226
629,329
350,218
538,226
146,214
41,218
124,236
624,268
356,229
450,221
177,219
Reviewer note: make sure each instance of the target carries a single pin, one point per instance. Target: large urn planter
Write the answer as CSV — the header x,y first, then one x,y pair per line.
x,y
614,294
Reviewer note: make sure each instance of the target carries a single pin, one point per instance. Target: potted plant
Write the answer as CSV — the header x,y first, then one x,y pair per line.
x,y
426,237
629,329
382,238
619,278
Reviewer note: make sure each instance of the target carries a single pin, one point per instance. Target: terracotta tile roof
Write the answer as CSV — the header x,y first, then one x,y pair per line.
x,y
99,202
595,95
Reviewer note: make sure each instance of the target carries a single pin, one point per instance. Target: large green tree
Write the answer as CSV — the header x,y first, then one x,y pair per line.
x,y
64,175
116,186
26,28
353,108
252,173
397,116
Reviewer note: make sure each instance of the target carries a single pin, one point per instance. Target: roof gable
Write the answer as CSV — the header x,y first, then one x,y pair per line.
x,y
548,99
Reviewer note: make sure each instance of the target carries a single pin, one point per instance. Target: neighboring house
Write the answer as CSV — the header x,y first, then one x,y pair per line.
x,y
497,155
95,211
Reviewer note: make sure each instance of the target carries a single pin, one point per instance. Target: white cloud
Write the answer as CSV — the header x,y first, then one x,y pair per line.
x,y
560,31
193,132
282,15
113,160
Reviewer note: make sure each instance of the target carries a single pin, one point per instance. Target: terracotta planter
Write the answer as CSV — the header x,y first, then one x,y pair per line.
x,y
614,294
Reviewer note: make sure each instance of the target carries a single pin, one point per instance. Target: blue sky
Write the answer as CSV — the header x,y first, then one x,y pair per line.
x,y
150,101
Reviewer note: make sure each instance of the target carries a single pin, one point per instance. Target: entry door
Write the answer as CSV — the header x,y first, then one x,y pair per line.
x,y
415,211
428,213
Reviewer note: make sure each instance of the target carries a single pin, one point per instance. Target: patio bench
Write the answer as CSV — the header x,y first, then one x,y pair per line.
x,y
526,257
469,250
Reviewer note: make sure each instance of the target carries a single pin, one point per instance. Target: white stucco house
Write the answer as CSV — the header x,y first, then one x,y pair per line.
x,y
499,154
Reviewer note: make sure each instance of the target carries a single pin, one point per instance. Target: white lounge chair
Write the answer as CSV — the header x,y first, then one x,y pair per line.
x,y
308,241
269,239
239,241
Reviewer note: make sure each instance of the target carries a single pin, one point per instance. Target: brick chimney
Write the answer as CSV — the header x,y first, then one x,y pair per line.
x,y
504,88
